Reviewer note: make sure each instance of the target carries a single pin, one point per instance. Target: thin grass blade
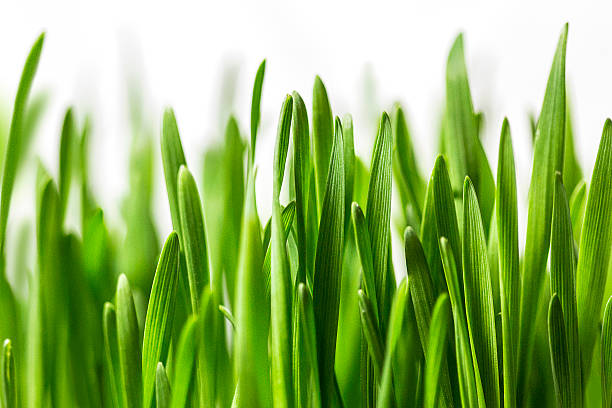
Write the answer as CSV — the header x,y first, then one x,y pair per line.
x,y
438,337
559,353
182,384
606,356
322,138
256,107
163,393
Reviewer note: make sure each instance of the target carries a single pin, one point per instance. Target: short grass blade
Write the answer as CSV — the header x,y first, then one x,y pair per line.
x,y
163,392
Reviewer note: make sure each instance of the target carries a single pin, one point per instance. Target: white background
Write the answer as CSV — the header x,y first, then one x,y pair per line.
x,y
179,51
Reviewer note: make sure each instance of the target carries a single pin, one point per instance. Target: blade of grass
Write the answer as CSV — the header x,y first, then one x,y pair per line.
x,y
606,356
163,393
111,353
287,217
371,332
364,250
559,353
328,269
438,337
172,158
160,315
349,168
128,337
9,378
548,158
322,138
67,144
595,248
478,296
572,173
562,272
182,383
307,325
256,108
577,209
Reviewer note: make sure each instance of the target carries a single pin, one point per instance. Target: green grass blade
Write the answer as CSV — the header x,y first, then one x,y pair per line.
x,y
349,168
577,205
595,248
160,315
287,217
256,107
465,152
183,380
438,337
163,393
172,158
328,269
253,322
606,356
322,137
422,294
378,216
364,250
16,133
128,338
194,235
562,273
510,280
111,353
9,378
212,374
67,145
307,325
280,288
559,353
548,158
478,296
371,332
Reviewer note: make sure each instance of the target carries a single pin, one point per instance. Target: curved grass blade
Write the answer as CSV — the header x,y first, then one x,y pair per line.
x,y
562,272
287,217
559,353
128,338
462,144
328,269
16,133
478,296
160,314
194,235
253,322
510,283
182,383
67,145
111,353
548,158
280,288
421,291
606,356
470,385
163,393
172,158
438,337
595,248
256,107
8,376
322,138
370,332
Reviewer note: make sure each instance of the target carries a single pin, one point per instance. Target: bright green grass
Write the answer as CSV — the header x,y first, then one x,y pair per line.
x,y
303,309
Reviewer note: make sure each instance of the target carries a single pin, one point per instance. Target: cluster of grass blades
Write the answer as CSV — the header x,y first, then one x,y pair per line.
x,y
304,309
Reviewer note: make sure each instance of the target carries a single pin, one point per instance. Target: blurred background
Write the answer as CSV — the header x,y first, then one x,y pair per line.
x,y
201,58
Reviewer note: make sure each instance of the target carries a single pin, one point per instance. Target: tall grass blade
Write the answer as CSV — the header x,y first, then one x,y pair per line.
x,y
371,332
172,158
256,108
438,337
322,138
67,145
577,205
182,383
307,326
364,250
111,353
559,353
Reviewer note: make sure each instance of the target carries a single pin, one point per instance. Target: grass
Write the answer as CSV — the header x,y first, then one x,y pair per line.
x,y
303,309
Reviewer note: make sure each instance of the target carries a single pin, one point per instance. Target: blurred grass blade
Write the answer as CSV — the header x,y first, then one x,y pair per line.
x,y
256,108
370,332
465,152
253,322
182,383
572,173
606,356
111,353
559,353
194,235
328,269
562,275
577,205
510,289
421,291
172,158
163,393
322,138
67,145
160,315
478,296
280,288
548,158
438,337
595,248
128,337
9,378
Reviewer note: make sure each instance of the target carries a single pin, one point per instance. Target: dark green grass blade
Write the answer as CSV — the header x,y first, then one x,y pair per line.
x,y
378,216
128,338
8,376
253,322
67,145
328,269
111,353
438,337
562,282
16,133
160,315
163,392
559,353
182,384
478,296
280,288
510,289
322,137
463,147
606,356
595,248
173,158
194,235
548,158
256,107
